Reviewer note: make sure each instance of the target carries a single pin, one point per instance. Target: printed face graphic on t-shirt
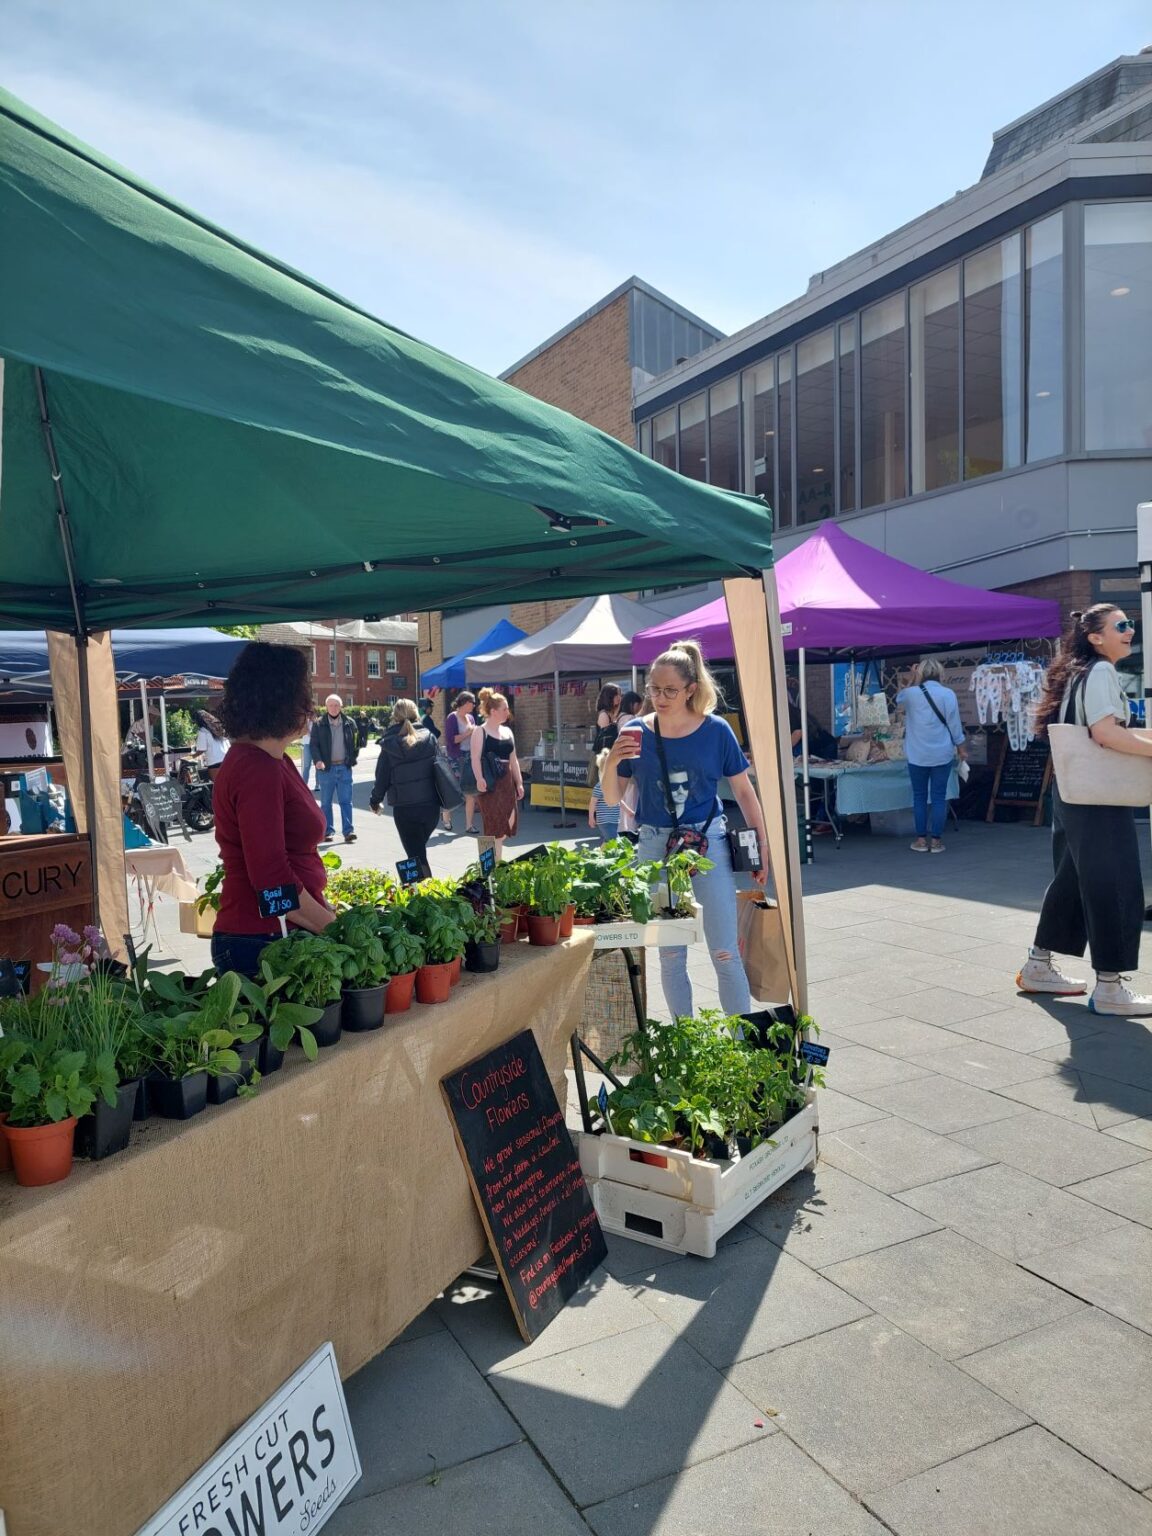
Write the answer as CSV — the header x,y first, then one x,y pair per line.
x,y
678,784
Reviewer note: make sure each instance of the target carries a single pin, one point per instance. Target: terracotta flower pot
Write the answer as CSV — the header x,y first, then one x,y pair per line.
x,y
5,1157
434,982
41,1154
510,930
567,918
522,920
398,998
543,930
457,966
584,922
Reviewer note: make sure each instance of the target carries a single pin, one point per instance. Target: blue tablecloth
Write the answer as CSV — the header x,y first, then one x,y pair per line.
x,y
865,787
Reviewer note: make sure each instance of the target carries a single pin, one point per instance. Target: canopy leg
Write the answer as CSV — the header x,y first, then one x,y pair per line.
x,y
563,822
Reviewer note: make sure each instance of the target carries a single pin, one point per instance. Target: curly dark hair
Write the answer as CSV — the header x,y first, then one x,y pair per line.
x,y
1076,653
268,693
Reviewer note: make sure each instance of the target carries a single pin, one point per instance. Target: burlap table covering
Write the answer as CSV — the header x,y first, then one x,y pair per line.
x,y
149,1304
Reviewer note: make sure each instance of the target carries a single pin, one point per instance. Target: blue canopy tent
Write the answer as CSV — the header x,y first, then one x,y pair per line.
x,y
140,652
453,673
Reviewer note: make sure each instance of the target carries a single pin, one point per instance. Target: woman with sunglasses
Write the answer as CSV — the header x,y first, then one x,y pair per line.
x,y
1096,899
677,756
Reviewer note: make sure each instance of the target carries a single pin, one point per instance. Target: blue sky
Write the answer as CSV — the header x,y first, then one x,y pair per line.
x,y
478,172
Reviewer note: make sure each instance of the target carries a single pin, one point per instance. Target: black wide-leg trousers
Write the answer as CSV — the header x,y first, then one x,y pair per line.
x,y
1096,899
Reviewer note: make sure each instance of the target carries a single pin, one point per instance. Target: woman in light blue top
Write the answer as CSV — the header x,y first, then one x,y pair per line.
x,y
933,737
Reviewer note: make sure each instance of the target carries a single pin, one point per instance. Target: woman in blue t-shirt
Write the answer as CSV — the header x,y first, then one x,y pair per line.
x,y
700,750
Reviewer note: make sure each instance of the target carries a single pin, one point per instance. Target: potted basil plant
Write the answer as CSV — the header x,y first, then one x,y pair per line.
x,y
365,969
313,967
435,922
280,1020
403,956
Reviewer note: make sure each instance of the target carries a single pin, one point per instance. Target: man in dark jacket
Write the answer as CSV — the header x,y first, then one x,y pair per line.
x,y
335,749
406,778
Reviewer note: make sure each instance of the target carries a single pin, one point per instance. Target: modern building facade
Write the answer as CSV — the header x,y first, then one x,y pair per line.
x,y
972,393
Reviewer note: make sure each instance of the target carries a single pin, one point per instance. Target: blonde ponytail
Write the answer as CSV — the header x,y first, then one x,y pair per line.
x,y
405,713
688,659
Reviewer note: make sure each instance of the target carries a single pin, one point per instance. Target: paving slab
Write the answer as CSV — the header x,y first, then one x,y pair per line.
x,y
1128,1192
939,1103
823,1218
958,975
746,1301
767,1489
858,1068
1110,1054
881,985
630,1261
894,1154
620,1412
950,1293
872,1405
1095,1102
1113,1271
478,1316
902,935
1057,1151
421,1405
899,1036
942,1006
835,1004
838,1111
419,1328
994,1067
1009,1212
1138,1133
508,1493
1087,1378
1026,1026
1028,1484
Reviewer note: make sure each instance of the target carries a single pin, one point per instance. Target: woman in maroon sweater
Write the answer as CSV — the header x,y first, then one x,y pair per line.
x,y
267,823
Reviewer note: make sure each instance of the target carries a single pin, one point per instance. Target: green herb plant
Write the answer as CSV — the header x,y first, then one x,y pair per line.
x,y
436,923
203,1038
45,1084
312,966
357,931
350,888
403,949
283,1020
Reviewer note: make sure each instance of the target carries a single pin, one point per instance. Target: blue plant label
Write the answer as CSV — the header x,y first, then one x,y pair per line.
x,y
487,861
276,900
815,1055
602,1098
408,870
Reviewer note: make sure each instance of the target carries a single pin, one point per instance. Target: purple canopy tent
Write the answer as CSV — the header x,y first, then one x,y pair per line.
x,y
837,594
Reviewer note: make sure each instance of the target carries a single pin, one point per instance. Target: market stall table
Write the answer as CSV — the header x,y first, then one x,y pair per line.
x,y
150,1303
158,870
862,789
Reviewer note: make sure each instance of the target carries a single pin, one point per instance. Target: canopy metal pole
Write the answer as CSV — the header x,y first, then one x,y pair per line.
x,y
1144,556
633,679
164,730
563,822
804,742
64,529
147,724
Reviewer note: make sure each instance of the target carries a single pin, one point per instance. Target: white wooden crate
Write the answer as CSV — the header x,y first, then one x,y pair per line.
x,y
667,1221
699,1181
660,933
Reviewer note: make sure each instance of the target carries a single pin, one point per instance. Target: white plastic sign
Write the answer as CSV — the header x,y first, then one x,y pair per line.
x,y
282,1473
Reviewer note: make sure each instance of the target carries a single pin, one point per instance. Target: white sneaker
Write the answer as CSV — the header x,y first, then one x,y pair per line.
x,y
1042,976
1115,998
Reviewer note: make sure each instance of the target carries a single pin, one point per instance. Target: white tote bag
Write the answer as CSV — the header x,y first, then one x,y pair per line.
x,y
1089,774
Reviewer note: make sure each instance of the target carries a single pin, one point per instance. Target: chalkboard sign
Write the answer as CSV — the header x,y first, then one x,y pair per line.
x,y
161,801
276,900
526,1179
815,1055
1022,778
408,870
487,861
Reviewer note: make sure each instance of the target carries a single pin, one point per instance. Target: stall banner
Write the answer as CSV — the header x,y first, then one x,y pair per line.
x,y
283,1473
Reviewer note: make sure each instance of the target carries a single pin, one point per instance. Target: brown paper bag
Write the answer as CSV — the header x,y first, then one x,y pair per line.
x,y
761,938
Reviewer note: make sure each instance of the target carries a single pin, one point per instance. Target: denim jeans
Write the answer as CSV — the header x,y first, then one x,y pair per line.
x,y
716,893
239,952
935,778
306,761
336,782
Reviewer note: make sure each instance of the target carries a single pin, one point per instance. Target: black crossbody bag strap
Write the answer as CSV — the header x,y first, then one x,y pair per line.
x,y
1080,683
933,707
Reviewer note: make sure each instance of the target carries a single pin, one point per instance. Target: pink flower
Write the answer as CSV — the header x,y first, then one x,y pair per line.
x,y
70,957
95,938
62,934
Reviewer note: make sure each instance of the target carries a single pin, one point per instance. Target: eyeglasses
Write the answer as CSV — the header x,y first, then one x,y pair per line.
x,y
1124,626
664,693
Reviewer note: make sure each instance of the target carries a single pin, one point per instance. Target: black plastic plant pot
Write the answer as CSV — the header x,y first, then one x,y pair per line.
x,y
225,1087
482,957
363,1008
327,1027
140,1109
271,1057
107,1129
177,1098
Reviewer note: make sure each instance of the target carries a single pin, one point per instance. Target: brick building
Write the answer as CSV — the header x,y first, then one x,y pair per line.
x,y
364,662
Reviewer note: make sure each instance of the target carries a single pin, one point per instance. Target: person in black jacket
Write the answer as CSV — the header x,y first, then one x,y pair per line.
x,y
405,776
335,748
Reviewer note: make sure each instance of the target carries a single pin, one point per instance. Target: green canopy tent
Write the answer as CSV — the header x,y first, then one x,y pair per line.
x,y
193,432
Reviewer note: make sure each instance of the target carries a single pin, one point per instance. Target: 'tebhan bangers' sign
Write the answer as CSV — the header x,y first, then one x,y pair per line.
x,y
282,1473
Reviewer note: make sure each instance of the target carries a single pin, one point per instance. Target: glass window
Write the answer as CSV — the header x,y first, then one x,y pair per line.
x,y
883,372
646,437
760,430
934,312
694,439
331,661
347,661
848,416
312,656
1044,310
664,438
784,441
373,663
993,402
1118,325
815,429
724,435
390,662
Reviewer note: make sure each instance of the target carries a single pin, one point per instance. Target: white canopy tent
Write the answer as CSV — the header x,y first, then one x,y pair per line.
x,y
591,639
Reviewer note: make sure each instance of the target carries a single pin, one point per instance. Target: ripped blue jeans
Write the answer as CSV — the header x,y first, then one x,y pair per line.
x,y
716,893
